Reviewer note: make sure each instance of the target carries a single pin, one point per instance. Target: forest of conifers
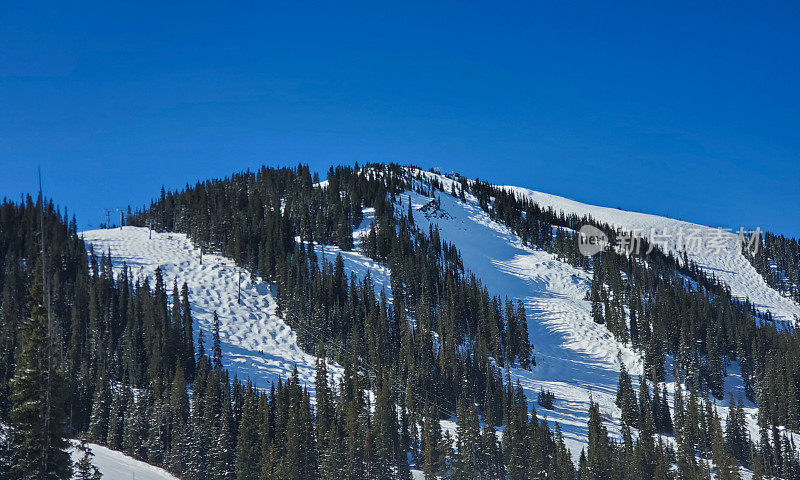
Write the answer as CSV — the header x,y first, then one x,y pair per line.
x,y
116,360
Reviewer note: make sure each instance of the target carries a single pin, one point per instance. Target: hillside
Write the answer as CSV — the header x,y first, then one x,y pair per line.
x,y
389,322
577,359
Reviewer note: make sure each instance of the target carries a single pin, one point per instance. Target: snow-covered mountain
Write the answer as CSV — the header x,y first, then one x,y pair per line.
x,y
577,359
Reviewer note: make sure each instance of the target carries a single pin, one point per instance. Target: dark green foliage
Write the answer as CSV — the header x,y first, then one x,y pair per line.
x,y
84,469
38,414
438,348
777,259
545,399
626,399
599,450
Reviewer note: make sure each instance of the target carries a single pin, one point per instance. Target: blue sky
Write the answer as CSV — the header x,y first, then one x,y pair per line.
x,y
684,110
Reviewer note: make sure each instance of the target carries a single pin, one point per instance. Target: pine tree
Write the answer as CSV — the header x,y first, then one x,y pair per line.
x,y
180,441
491,456
136,425
561,467
37,396
221,456
645,406
515,437
736,431
6,459
324,404
595,294
247,447
724,464
116,416
101,407
626,399
432,458
201,347
188,333
84,469
216,360
384,432
468,442
157,442
599,450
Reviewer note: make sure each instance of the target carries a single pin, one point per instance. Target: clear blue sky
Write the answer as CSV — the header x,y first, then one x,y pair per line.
x,y
685,110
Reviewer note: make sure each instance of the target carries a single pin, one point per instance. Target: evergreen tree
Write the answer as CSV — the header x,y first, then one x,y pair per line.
x,y
599,450
188,333
101,408
247,447
180,441
725,465
384,433
467,462
116,416
221,454
736,431
626,399
38,415
432,456
84,469
216,360
6,459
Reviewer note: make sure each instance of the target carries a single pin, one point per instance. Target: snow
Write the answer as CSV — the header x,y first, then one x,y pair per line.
x,y
354,261
576,358
714,249
256,343
118,466
716,252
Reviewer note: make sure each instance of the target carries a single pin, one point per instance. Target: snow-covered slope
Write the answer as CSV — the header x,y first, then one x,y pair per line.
x,y
576,358
118,466
715,250
256,343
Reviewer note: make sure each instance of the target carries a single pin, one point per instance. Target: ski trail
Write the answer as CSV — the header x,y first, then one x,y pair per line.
x,y
256,343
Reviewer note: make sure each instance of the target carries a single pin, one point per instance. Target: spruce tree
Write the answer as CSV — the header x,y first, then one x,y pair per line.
x,y
247,447
101,407
38,410
736,431
216,360
725,465
84,469
180,441
188,333
599,450
468,442
384,432
6,459
626,399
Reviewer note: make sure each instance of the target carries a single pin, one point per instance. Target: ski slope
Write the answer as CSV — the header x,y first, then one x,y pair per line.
x,y
115,465
577,359
256,343
715,250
